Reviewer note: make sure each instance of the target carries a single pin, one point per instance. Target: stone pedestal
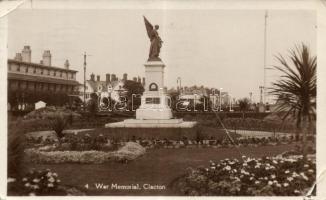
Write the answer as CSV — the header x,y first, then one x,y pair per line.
x,y
154,102
154,111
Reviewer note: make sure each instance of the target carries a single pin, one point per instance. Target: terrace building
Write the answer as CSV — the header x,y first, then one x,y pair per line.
x,y
30,82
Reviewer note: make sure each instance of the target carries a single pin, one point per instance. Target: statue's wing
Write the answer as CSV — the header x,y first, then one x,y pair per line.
x,y
149,27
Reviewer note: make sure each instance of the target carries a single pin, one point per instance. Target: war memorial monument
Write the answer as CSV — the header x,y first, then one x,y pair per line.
x,y
154,111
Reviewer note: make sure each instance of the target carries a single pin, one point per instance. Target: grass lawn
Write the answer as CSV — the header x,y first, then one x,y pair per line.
x,y
156,167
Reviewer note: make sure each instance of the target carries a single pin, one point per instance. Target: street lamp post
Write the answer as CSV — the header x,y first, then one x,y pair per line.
x,y
231,110
221,99
179,84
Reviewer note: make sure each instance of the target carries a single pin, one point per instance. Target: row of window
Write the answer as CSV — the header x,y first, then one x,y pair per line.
x,y
41,86
18,69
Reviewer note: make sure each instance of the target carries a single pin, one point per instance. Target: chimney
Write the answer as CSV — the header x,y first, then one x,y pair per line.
x,y
134,79
107,78
92,77
143,83
125,76
66,64
113,77
19,57
98,78
27,54
139,80
47,58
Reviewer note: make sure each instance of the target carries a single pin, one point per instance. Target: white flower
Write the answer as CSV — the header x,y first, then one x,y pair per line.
x,y
27,184
32,194
35,180
296,191
55,174
51,180
273,176
310,171
270,183
287,171
245,164
50,185
257,182
265,178
251,178
274,161
290,179
306,166
285,184
49,174
58,181
213,167
228,168
278,185
24,179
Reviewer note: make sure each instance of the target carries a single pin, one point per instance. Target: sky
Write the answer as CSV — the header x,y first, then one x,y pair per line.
x,y
214,48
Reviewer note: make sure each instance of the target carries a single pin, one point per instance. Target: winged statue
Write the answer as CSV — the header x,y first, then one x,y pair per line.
x,y
156,41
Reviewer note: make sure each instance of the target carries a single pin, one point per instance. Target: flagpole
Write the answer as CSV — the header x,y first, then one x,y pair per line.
x,y
265,43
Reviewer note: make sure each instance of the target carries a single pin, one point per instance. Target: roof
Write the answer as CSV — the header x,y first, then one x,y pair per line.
x,y
94,84
25,77
40,65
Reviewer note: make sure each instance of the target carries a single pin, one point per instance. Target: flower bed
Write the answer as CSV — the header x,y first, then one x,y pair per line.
x,y
128,152
268,176
40,183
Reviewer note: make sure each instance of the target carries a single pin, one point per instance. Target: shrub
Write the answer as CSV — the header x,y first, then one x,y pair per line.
x,y
58,124
16,146
279,176
42,182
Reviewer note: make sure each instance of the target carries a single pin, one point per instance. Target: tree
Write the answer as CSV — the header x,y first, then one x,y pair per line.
x,y
296,90
92,104
133,88
244,106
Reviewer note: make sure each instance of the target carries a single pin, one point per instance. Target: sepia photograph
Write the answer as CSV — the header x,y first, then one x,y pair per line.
x,y
161,102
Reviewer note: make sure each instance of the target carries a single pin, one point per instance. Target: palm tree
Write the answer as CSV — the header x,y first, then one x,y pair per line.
x,y
296,90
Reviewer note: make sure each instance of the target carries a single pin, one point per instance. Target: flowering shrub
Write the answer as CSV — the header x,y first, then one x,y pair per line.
x,y
42,182
129,152
279,176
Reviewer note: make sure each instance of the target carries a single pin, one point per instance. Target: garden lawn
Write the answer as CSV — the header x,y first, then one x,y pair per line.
x,y
156,167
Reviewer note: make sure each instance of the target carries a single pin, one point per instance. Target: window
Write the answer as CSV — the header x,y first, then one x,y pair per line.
x,y
55,73
152,100
48,72
34,70
26,69
41,71
60,74
18,68
72,75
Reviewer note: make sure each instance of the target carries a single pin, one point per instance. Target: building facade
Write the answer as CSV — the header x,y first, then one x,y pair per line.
x,y
30,82
110,88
